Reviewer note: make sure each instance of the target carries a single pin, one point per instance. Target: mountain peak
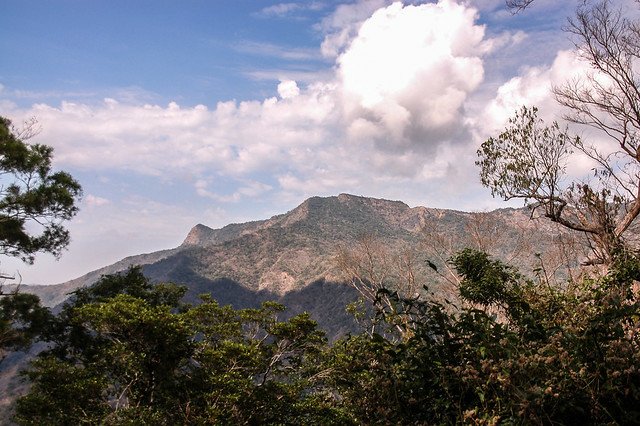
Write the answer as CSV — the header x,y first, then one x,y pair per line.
x,y
198,234
379,203
291,250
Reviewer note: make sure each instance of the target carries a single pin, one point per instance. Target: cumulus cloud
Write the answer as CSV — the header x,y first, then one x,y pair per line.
x,y
288,89
343,25
407,73
385,117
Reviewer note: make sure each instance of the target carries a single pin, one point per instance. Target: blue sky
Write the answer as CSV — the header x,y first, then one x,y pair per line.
x,y
177,113
194,51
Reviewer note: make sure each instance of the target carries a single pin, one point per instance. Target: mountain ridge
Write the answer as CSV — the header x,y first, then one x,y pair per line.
x,y
292,257
287,251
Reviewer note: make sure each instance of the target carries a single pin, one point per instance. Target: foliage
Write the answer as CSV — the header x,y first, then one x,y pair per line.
x,y
22,320
527,160
545,356
129,352
32,195
126,351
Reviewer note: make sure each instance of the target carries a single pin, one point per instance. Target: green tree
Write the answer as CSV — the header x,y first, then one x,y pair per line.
x,y
546,356
128,352
32,196
22,319
34,202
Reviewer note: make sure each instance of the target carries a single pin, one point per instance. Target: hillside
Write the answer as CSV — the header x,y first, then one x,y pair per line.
x,y
282,257
291,257
285,254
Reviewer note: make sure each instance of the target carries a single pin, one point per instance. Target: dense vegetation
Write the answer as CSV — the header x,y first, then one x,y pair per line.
x,y
127,351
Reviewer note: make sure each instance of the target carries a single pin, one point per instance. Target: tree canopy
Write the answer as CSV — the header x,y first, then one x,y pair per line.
x,y
125,351
34,200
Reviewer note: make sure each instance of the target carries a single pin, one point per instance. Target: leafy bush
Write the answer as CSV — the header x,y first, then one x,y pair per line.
x,y
528,353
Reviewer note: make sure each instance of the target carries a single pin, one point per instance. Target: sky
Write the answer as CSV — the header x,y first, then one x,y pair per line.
x,y
173,113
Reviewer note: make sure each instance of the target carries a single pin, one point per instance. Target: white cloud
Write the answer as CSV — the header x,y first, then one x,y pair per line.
x,y
342,25
282,10
401,79
392,115
91,200
408,72
249,188
301,75
288,89
507,38
533,87
276,51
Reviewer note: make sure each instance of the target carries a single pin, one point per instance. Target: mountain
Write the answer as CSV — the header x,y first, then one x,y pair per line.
x,y
288,253
291,258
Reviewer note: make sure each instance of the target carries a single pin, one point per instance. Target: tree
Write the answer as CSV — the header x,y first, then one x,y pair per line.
x,y
22,319
555,356
32,196
608,99
528,159
128,352
372,264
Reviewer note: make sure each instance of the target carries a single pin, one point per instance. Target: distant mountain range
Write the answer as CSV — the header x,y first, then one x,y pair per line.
x,y
289,255
291,258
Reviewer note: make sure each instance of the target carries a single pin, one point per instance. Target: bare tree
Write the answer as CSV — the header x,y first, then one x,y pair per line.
x,y
516,6
609,99
376,270
528,159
